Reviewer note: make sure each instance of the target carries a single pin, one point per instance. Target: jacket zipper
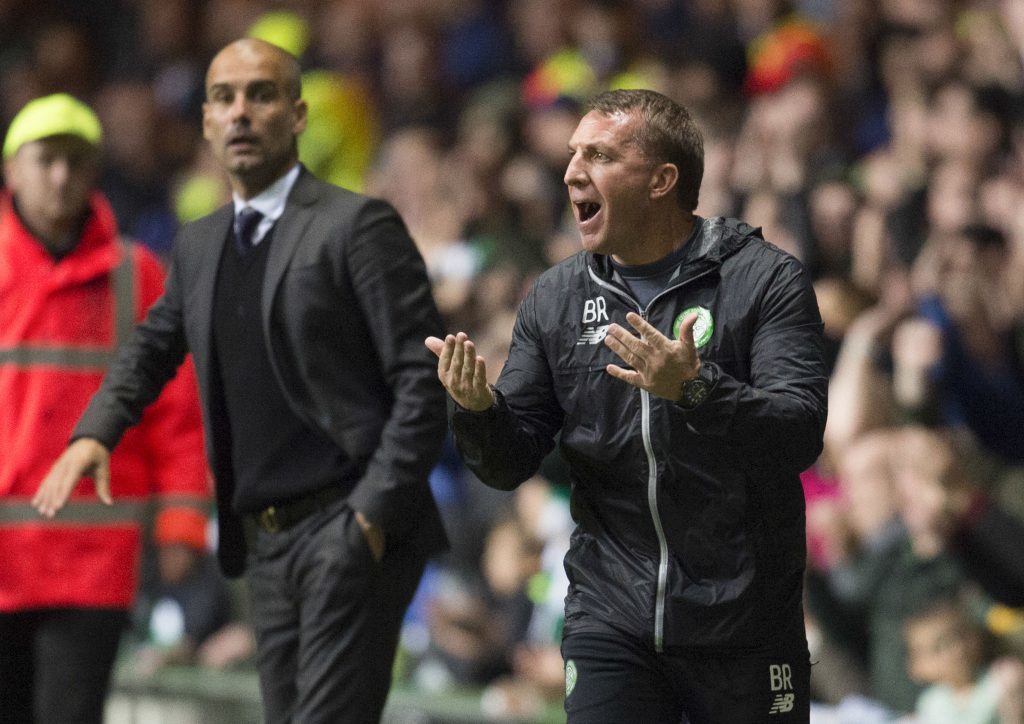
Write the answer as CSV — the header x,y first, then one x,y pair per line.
x,y
652,465
652,504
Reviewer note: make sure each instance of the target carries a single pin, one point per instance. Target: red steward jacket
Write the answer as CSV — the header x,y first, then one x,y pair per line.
x,y
60,322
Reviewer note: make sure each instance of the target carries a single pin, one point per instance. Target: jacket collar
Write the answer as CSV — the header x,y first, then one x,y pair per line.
x,y
718,239
95,254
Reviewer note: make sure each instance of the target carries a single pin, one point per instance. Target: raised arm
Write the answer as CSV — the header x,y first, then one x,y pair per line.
x,y
502,433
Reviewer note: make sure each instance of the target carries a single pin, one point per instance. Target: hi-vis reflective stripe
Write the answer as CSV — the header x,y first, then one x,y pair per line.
x,y
87,512
65,357
122,280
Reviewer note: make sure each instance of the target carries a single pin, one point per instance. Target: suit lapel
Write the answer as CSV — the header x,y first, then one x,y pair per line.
x,y
210,242
288,233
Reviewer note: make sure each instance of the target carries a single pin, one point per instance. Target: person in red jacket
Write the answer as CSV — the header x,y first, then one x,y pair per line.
x,y
70,291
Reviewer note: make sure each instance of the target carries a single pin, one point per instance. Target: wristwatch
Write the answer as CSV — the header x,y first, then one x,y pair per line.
x,y
695,391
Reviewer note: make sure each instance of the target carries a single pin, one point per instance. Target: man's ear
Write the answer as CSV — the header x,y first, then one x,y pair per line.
x,y
301,116
207,135
664,178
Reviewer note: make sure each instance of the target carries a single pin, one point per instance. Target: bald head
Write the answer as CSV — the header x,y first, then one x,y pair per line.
x,y
256,51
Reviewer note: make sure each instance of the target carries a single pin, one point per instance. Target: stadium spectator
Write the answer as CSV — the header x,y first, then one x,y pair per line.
x,y
966,684
71,289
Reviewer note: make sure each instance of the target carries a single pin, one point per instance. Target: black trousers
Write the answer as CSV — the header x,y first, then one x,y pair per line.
x,y
55,664
612,679
327,618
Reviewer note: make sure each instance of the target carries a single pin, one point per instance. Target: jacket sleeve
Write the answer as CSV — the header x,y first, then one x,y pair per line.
x,y
391,285
506,444
144,365
780,413
171,428
172,432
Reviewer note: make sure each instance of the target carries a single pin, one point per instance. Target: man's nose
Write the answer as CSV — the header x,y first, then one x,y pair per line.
x,y
239,110
574,174
60,170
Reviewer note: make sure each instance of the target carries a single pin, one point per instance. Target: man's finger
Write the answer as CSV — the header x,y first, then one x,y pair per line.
x,y
686,327
481,376
479,387
53,490
623,335
624,350
468,364
435,345
458,356
444,360
648,332
443,349
102,478
40,494
630,376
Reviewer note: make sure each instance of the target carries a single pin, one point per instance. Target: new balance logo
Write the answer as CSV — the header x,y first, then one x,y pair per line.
x,y
593,335
783,703
780,677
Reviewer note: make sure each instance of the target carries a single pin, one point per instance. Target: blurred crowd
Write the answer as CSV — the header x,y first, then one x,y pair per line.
x,y
880,141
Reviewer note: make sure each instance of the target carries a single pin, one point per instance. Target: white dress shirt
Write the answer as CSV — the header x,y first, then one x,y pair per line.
x,y
270,202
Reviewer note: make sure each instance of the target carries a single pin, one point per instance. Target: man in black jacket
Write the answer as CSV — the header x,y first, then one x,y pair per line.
x,y
684,436
304,307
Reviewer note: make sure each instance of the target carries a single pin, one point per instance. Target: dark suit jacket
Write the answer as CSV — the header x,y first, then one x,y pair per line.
x,y
346,307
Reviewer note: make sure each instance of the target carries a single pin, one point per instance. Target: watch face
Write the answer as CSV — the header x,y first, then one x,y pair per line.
x,y
694,392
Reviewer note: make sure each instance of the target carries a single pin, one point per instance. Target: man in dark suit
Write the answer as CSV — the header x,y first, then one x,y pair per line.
x,y
303,306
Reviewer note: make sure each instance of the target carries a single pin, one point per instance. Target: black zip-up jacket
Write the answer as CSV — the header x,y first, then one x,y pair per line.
x,y
690,523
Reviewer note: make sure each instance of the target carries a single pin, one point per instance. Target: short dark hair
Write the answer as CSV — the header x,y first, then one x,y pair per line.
x,y
667,134
953,602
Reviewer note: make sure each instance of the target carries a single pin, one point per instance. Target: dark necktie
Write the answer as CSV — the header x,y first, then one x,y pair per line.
x,y
246,222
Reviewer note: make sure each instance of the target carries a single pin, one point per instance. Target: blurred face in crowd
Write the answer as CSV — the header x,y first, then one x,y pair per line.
x,y
51,180
613,186
930,484
867,482
941,649
253,113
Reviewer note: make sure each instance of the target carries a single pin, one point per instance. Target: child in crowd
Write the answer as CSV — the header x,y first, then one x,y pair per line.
x,y
946,651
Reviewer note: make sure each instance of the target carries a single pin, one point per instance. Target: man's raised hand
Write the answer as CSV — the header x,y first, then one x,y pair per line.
x,y
461,371
660,365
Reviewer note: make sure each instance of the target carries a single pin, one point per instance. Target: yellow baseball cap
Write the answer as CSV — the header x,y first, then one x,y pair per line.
x,y
54,115
284,29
